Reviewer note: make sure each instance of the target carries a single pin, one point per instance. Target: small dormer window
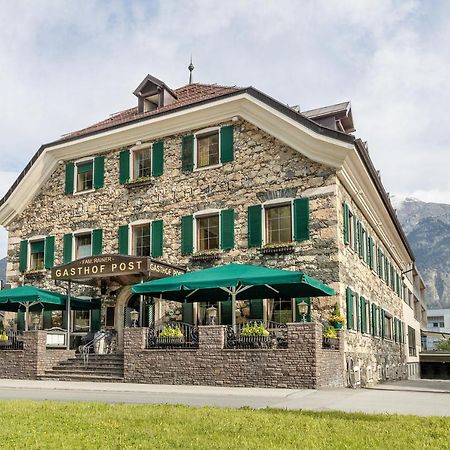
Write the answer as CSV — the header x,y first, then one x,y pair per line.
x,y
153,94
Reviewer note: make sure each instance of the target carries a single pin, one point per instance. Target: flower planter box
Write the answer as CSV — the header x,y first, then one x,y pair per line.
x,y
168,341
254,341
132,184
280,249
205,257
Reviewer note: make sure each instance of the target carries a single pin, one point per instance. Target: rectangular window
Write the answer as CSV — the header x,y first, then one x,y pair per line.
x,y
141,239
278,224
208,232
280,310
388,327
208,149
142,163
57,320
81,321
83,245
412,341
37,255
85,176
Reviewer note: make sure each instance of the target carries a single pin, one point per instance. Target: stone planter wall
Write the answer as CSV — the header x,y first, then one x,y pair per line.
x,y
33,360
304,364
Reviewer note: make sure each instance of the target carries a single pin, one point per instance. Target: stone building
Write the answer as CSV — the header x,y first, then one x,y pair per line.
x,y
205,175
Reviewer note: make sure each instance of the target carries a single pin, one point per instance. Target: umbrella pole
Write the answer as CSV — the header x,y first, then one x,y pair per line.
x,y
233,308
27,314
68,315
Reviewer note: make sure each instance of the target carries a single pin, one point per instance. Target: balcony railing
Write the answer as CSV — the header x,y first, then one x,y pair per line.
x,y
277,337
186,336
14,342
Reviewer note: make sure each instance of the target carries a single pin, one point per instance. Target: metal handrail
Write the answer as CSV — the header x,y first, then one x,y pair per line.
x,y
86,348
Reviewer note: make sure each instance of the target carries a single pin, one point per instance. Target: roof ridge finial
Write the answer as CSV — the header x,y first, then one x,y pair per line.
x,y
190,68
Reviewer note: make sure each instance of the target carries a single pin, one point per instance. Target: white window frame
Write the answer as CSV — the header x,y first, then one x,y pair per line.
x,y
75,175
76,234
30,241
204,213
135,149
199,133
131,237
272,204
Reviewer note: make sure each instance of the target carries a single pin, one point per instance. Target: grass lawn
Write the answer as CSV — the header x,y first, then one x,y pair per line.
x,y
54,425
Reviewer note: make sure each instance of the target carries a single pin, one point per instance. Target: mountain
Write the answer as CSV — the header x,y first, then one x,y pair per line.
x,y
427,226
3,270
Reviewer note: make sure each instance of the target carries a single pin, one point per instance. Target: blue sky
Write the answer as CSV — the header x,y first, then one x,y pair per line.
x,y
64,65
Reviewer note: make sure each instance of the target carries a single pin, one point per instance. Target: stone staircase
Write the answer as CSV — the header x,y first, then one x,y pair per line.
x,y
106,368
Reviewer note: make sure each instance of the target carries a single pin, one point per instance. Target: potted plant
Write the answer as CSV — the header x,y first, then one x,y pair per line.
x,y
4,340
254,334
330,337
170,335
337,319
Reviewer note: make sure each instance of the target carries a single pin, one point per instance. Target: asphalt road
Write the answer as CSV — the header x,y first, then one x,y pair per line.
x,y
402,400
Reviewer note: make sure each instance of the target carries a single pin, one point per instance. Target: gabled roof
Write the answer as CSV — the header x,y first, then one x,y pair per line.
x,y
151,80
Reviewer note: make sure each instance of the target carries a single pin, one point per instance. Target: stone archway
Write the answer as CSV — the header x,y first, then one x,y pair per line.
x,y
122,300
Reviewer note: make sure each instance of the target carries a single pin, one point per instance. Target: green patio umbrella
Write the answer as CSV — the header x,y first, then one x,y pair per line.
x,y
30,298
234,282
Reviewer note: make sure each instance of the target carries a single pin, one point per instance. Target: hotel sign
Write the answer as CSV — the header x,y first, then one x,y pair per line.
x,y
112,265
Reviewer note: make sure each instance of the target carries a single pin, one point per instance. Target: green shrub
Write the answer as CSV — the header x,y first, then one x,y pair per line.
x,y
254,329
171,331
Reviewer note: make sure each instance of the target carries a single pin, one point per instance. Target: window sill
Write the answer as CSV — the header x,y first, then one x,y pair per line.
x,y
282,248
215,166
84,192
131,184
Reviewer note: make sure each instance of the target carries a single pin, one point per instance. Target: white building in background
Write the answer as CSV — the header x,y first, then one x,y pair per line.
x,y
438,321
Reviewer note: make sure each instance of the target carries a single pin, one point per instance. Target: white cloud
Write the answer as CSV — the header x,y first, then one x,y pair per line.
x,y
67,64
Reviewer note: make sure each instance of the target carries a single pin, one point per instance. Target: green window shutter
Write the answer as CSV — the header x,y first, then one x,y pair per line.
x,y
96,319
99,172
227,229
371,253
122,237
20,319
383,331
157,238
297,316
188,313
254,226
374,319
349,295
360,240
346,228
47,319
362,304
67,248
49,253
256,309
187,153
97,244
69,182
301,219
225,313
23,256
357,311
226,144
158,159
124,166
355,234
187,235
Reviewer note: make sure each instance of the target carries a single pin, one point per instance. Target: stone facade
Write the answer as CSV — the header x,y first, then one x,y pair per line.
x,y
303,365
